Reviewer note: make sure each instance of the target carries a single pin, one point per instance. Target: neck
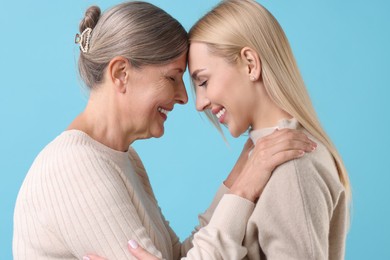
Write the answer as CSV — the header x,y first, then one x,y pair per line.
x,y
267,113
101,120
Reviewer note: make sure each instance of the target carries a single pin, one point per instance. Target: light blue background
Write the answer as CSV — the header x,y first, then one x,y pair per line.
x,y
342,48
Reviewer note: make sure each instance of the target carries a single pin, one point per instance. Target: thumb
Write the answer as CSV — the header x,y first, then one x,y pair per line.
x,y
139,252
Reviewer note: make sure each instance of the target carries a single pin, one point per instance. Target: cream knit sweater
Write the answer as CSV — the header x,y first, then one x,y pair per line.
x,y
82,197
302,212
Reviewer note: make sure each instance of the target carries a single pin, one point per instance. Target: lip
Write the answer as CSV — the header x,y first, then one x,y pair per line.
x,y
216,110
167,109
164,116
222,118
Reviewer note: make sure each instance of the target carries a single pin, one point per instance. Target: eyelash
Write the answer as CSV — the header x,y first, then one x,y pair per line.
x,y
203,84
172,79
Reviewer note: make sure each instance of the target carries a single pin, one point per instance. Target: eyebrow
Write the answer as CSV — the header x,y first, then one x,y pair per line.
x,y
180,70
194,74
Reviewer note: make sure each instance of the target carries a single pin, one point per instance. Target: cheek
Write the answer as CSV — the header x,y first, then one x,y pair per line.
x,y
218,90
164,90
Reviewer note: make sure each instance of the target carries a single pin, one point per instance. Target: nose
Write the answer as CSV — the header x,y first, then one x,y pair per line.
x,y
181,96
202,102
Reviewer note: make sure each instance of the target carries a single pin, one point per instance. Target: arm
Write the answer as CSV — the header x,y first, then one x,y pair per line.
x,y
249,178
222,237
204,218
181,249
94,210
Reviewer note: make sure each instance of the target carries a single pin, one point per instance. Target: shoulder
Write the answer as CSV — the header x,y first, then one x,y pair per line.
x,y
70,154
313,177
71,145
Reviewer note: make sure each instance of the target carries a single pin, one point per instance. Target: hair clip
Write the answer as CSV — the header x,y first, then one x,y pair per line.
x,y
79,38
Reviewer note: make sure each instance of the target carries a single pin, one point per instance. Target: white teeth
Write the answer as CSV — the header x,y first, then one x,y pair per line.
x,y
162,110
221,112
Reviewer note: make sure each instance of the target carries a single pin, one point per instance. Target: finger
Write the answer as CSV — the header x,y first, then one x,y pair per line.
x,y
93,257
288,140
291,145
283,157
260,153
139,252
286,133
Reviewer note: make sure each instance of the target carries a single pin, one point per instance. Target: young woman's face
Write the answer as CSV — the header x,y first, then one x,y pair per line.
x,y
153,92
223,88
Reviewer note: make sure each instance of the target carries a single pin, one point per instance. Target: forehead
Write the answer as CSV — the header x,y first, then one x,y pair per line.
x,y
198,54
201,59
178,64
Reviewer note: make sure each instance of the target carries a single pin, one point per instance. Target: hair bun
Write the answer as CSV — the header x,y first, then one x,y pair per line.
x,y
91,17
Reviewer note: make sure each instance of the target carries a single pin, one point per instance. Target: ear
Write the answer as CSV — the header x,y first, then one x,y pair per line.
x,y
251,62
118,73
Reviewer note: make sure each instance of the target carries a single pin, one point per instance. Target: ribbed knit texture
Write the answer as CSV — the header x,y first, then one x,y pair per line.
x,y
82,197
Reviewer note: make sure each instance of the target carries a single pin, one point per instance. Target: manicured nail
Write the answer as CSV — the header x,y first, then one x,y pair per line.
x,y
86,258
133,244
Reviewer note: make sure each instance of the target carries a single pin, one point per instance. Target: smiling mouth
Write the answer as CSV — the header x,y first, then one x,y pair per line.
x,y
221,113
163,111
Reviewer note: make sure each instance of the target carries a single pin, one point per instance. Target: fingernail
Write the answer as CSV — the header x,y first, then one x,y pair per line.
x,y
86,258
133,244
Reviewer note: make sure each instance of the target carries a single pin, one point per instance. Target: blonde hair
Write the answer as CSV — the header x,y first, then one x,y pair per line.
x,y
139,31
235,24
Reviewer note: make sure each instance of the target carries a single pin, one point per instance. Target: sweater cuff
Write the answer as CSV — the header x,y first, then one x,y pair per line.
x,y
218,196
232,215
205,217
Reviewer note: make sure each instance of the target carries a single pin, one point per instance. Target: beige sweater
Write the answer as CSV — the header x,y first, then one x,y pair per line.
x,y
302,212
82,197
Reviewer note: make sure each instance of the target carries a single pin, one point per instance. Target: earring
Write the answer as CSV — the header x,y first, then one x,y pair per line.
x,y
252,78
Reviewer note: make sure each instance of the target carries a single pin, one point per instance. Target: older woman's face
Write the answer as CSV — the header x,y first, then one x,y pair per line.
x,y
154,92
222,88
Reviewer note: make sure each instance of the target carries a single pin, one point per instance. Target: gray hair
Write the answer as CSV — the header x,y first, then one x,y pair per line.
x,y
141,32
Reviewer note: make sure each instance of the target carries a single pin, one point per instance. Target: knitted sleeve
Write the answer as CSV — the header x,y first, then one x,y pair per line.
x,y
181,249
219,235
93,212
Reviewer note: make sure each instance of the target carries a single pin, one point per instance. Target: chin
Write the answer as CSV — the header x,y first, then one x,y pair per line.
x,y
236,132
158,136
159,133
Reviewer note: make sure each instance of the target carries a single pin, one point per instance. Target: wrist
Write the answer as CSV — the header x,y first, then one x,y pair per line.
x,y
228,183
244,193
232,176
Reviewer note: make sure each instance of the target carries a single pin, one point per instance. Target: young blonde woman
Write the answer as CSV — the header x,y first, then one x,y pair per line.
x,y
245,77
88,191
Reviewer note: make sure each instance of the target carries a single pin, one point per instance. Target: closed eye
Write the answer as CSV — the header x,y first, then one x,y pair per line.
x,y
203,84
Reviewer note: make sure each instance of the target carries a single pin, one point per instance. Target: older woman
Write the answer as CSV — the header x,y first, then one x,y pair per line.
x,y
87,191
